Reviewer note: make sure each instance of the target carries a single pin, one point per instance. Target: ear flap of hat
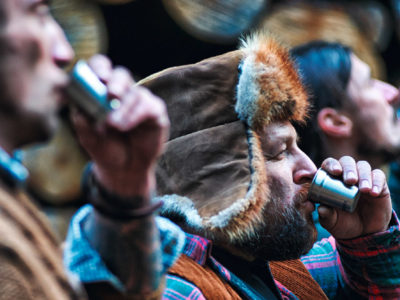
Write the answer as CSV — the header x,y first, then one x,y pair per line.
x,y
212,184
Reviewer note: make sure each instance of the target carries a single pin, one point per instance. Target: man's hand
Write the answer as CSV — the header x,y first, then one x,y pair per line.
x,y
374,209
124,149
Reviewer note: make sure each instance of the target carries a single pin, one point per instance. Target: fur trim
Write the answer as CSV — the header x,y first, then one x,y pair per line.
x,y
179,207
269,87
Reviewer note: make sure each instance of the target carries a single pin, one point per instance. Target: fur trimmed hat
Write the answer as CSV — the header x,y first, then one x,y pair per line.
x,y
212,176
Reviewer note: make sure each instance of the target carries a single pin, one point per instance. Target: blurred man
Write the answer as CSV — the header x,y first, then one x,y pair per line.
x,y
234,179
352,113
33,51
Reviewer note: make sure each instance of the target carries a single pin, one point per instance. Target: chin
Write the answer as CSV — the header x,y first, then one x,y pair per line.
x,y
287,234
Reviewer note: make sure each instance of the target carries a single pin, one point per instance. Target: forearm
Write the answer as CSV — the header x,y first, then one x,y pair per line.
x,y
130,249
123,231
359,268
370,265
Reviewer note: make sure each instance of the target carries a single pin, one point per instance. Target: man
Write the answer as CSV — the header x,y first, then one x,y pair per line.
x,y
232,173
234,179
33,51
352,113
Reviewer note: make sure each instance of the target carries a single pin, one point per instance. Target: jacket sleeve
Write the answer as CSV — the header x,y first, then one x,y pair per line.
x,y
363,268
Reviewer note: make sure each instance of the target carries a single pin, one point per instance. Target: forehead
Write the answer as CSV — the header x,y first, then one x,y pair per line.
x,y
277,132
15,11
359,80
359,69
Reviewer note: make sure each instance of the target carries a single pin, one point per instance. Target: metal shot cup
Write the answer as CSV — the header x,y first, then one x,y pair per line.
x,y
332,192
88,92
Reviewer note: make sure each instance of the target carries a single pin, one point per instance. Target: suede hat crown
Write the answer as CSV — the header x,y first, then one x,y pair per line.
x,y
212,176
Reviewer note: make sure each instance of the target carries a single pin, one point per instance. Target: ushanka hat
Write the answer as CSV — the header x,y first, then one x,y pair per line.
x,y
212,175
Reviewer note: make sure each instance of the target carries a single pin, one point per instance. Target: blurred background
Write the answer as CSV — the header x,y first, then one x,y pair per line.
x,y
147,36
150,35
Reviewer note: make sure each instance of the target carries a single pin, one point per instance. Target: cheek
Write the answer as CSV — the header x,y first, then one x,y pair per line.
x,y
280,190
21,53
373,104
375,117
29,51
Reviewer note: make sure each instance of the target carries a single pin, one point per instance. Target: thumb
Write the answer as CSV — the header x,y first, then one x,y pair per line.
x,y
327,217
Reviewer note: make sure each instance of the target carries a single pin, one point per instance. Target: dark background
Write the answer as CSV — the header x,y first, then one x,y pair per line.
x,y
144,38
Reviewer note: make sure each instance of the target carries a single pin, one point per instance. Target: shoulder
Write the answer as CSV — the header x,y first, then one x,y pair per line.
x,y
178,288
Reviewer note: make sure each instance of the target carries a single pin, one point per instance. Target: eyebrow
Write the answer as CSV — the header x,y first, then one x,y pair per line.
x,y
286,138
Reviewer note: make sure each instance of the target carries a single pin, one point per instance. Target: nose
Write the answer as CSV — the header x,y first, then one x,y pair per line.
x,y
390,93
61,50
304,169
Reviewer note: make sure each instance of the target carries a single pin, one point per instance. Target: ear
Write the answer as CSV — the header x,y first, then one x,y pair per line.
x,y
334,124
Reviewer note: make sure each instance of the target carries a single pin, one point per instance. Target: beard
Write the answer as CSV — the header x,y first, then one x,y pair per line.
x,y
23,126
287,232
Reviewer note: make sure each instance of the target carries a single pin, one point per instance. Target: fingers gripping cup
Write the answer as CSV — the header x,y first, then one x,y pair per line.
x,y
332,192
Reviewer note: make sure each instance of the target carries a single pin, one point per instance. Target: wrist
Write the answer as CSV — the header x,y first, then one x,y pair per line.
x,y
126,183
113,205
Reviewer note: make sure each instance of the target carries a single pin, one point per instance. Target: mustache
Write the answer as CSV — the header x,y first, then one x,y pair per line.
x,y
302,194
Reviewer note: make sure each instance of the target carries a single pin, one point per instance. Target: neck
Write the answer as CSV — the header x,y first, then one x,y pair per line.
x,y
17,131
8,134
338,147
236,252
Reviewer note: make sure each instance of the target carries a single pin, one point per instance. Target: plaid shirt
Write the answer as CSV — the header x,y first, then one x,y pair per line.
x,y
367,267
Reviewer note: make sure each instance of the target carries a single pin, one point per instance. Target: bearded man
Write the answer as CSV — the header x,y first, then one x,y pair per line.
x,y
233,178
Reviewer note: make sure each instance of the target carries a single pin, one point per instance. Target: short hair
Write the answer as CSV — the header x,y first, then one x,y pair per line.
x,y
324,69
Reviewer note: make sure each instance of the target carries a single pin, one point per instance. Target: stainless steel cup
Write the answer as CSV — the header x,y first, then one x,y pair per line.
x,y
88,92
332,192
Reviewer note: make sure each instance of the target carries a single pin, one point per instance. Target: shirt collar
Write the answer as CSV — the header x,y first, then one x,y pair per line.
x,y
11,170
197,248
